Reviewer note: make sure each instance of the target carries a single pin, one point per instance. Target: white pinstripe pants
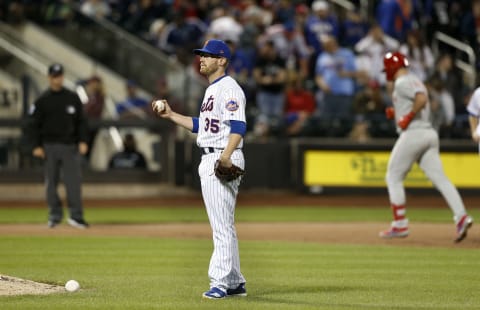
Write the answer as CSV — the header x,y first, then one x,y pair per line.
x,y
220,200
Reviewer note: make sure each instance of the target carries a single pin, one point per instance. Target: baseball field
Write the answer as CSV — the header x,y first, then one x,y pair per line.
x,y
297,252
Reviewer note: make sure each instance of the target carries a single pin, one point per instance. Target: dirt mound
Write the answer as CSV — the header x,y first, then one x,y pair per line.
x,y
11,286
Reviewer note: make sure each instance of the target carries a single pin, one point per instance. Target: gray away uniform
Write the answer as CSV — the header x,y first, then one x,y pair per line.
x,y
418,143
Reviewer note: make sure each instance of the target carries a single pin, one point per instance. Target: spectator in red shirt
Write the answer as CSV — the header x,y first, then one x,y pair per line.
x,y
300,105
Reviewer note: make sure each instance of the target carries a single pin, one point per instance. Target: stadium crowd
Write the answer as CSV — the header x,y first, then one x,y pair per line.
x,y
308,68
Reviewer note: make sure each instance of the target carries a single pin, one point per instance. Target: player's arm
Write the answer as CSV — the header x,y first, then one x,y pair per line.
x,y
419,102
237,131
473,120
184,121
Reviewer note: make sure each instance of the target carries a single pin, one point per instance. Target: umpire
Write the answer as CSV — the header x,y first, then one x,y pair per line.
x,y
60,138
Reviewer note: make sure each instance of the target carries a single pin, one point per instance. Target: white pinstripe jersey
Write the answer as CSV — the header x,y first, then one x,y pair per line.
x,y
473,108
224,100
406,87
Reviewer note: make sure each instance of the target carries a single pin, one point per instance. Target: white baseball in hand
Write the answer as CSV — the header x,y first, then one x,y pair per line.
x,y
160,105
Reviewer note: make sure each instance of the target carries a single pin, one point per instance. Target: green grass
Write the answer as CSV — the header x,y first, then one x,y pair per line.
x,y
243,214
156,273
153,273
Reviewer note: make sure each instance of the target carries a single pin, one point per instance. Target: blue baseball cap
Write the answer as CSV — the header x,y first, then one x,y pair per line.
x,y
215,48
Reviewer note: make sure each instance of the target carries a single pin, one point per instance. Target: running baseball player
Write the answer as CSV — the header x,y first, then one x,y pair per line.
x,y
417,142
473,109
220,128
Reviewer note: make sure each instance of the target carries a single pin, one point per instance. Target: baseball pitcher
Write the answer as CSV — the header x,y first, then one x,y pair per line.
x,y
220,126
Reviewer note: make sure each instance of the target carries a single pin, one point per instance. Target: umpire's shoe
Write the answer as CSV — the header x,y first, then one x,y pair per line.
x,y
78,223
53,223
239,291
462,227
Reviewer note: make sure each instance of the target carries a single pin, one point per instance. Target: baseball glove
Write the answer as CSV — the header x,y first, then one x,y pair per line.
x,y
227,174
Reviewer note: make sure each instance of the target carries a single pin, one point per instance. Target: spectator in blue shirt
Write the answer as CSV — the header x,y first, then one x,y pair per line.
x,y
353,29
320,22
395,17
180,36
335,75
134,105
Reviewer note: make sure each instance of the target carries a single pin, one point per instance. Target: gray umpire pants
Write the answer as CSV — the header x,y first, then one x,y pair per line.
x,y
63,160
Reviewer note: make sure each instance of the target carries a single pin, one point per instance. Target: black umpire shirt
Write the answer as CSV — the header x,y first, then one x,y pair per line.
x,y
58,118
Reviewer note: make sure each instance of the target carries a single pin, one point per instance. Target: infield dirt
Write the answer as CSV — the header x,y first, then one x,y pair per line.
x,y
421,234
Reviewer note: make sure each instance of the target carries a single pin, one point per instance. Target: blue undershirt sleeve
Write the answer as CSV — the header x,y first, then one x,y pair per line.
x,y
195,124
238,127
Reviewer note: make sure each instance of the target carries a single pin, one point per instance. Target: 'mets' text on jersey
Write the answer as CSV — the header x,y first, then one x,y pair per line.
x,y
224,101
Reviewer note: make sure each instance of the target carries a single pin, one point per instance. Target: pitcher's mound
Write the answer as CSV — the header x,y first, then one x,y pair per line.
x,y
11,286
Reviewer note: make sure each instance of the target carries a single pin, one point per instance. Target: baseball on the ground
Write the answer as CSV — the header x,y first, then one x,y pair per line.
x,y
159,105
72,286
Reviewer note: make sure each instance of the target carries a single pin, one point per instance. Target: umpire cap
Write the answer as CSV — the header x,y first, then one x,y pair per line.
x,y
55,69
216,48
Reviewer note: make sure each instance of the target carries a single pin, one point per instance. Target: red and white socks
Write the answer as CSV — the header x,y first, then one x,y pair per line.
x,y
400,220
